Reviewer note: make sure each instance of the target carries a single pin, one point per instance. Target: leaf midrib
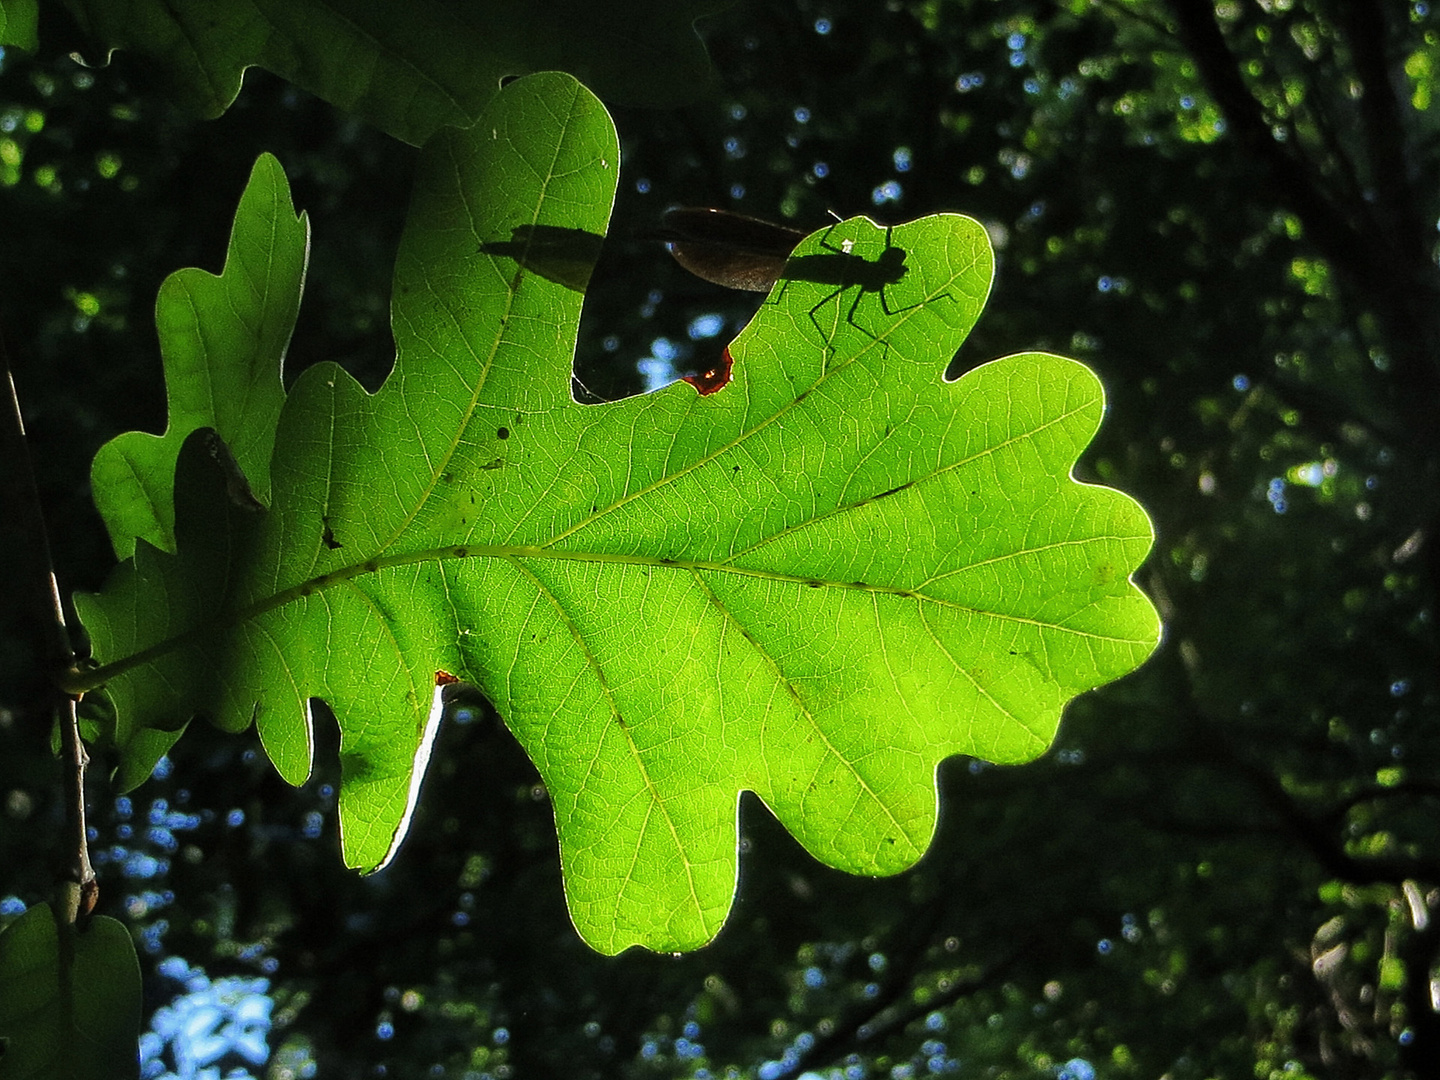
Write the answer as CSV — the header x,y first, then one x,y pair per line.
x,y
92,678
97,676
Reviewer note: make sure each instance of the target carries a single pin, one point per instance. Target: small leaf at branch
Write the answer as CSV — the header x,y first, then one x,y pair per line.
x,y
68,1012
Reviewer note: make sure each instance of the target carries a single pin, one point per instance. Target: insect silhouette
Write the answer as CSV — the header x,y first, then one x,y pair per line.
x,y
747,253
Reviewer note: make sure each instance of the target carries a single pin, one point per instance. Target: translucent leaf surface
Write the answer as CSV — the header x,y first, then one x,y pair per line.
x,y
411,68
814,584
18,19
223,342
72,1013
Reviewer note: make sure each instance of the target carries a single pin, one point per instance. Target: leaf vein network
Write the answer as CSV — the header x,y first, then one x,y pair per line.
x,y
598,671
801,707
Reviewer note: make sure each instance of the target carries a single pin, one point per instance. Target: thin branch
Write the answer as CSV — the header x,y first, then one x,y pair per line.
x,y
1412,788
1119,11
885,1014
1319,89
1325,222
1315,832
22,508
1401,290
78,890
1365,23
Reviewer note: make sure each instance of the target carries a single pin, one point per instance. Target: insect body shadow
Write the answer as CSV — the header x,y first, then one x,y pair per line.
x,y
845,268
564,256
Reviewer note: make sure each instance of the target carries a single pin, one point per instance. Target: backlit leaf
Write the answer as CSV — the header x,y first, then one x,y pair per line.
x,y
814,584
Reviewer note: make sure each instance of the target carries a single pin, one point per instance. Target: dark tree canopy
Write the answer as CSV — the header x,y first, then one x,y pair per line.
x,y
1228,863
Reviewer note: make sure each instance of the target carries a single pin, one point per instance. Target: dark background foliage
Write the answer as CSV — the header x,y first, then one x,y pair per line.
x,y
1228,864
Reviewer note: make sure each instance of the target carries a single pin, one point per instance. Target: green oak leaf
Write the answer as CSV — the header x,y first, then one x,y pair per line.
x,y
18,20
410,68
814,584
223,342
68,1007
